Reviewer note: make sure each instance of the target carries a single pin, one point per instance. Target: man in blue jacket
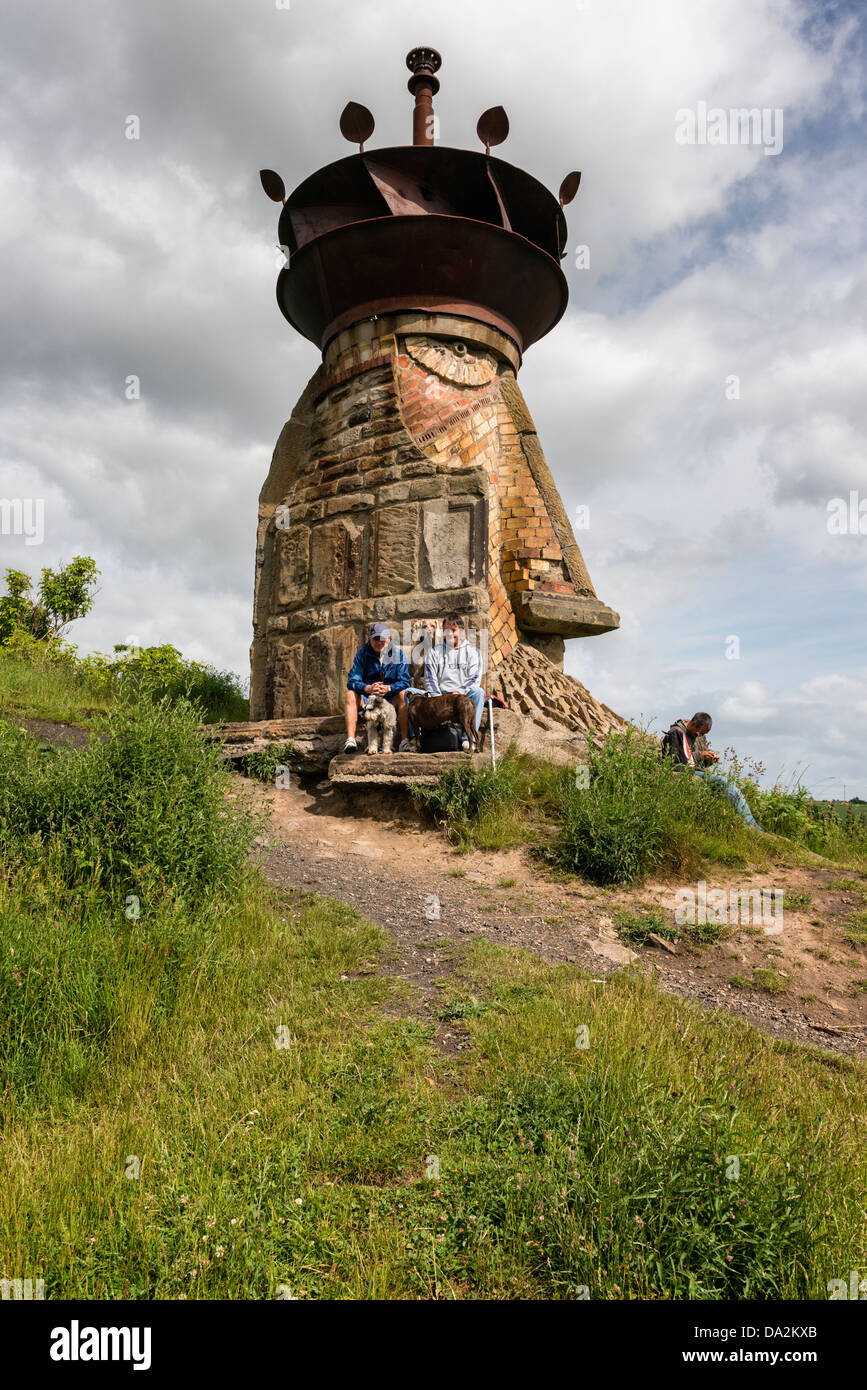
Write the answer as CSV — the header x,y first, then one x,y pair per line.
x,y
379,668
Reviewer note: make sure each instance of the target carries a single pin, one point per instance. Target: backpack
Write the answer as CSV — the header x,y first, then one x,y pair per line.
x,y
674,745
446,738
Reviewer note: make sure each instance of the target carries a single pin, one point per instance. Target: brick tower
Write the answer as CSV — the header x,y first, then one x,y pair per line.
x,y
409,481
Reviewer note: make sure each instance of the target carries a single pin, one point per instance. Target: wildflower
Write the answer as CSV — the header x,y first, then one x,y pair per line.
x,y
220,1251
184,1201
234,1221
211,1221
298,1201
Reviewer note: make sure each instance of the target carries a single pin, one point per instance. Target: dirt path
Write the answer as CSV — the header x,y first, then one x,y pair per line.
x,y
406,877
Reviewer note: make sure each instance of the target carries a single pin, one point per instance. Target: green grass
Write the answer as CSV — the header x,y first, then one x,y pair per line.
x,y
856,929
302,1166
794,900
706,933
762,981
143,812
54,693
40,682
488,808
223,1095
268,764
635,927
640,815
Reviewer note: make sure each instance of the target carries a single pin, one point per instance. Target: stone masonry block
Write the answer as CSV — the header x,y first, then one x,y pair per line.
x,y
396,546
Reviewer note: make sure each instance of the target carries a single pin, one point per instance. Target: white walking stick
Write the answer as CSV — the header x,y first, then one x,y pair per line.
x,y
491,722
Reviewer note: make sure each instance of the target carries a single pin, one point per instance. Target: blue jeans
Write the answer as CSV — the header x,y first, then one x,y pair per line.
x,y
735,796
477,695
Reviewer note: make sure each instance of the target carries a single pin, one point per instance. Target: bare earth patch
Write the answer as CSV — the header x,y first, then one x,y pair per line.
x,y
405,876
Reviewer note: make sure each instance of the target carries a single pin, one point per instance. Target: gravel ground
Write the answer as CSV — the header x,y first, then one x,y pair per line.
x,y
316,848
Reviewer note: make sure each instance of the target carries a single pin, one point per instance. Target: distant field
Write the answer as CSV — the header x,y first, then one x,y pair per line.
x,y
844,810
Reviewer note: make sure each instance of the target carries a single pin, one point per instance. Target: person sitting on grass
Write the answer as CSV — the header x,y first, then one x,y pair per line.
x,y
687,746
453,667
379,668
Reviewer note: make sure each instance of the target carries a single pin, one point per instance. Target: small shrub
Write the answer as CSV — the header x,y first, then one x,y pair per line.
x,y
157,673
763,981
706,933
265,765
478,806
639,813
142,812
792,900
635,927
460,1006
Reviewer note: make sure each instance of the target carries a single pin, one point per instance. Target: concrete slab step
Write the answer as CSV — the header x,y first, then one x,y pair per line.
x,y
398,769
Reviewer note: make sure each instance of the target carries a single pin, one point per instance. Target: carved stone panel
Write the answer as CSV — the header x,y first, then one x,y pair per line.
x,y
328,657
292,566
396,544
336,559
454,533
288,669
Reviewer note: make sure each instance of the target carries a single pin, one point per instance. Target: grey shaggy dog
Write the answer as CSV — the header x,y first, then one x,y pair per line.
x,y
380,717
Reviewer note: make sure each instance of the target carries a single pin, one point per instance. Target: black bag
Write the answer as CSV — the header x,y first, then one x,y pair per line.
x,y
446,738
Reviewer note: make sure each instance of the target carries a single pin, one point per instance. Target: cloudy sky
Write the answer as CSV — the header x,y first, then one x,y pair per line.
x,y
704,396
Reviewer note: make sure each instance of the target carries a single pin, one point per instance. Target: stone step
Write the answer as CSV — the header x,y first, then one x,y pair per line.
x,y
398,769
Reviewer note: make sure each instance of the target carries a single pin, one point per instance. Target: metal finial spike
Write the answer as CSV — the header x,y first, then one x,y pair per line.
x,y
423,63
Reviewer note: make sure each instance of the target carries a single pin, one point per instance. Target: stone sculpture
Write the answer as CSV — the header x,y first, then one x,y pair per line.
x,y
410,481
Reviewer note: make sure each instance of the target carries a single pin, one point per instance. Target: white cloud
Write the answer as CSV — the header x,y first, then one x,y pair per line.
x,y
156,257
750,705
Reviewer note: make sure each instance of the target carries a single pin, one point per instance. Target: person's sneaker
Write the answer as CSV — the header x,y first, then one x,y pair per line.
x,y
350,746
407,745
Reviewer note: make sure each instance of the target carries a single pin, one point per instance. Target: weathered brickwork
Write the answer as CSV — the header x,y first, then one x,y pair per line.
x,y
409,482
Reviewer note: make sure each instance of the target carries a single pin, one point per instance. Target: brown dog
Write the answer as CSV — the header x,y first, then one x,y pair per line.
x,y
429,711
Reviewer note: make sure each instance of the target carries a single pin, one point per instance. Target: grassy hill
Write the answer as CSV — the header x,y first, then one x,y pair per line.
x,y
209,1092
